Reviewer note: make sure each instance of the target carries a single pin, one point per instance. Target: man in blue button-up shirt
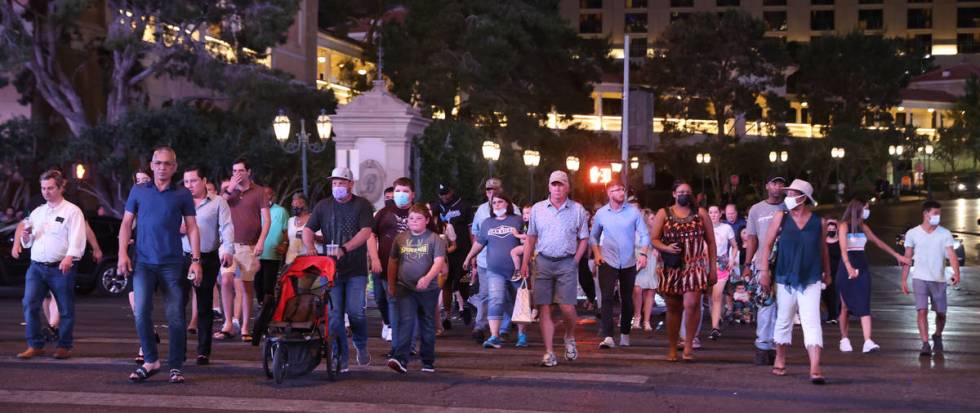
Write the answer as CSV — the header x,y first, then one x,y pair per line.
x,y
613,239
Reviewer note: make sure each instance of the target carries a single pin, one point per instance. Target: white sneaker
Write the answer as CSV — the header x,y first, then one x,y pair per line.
x,y
845,345
870,346
385,332
624,340
607,343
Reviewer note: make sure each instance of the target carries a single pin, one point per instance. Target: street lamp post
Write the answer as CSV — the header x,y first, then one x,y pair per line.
x,y
703,159
838,154
280,126
491,152
926,174
778,158
895,153
573,164
532,159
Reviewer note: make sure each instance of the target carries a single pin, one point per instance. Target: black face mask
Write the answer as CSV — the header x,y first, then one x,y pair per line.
x,y
298,211
684,200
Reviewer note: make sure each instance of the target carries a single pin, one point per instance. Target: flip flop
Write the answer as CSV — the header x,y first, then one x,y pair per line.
x,y
224,335
779,371
176,377
141,374
246,338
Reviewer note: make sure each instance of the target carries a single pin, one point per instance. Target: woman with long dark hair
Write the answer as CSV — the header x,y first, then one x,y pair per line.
x,y
686,241
853,276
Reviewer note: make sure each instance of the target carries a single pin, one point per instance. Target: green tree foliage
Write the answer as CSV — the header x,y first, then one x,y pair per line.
x,y
718,65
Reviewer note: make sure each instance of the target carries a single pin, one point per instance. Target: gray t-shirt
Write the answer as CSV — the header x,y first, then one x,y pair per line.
x,y
929,252
497,237
415,255
760,216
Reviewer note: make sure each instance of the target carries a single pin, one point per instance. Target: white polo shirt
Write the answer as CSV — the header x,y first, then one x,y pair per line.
x,y
56,232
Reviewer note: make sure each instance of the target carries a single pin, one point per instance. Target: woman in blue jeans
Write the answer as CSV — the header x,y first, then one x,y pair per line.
x,y
499,235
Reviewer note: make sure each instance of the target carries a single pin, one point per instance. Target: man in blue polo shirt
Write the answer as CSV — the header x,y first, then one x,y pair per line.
x,y
613,240
160,204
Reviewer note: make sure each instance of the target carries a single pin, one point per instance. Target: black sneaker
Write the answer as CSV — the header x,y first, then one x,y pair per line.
x,y
50,333
772,357
428,368
761,357
203,360
715,334
926,351
477,336
446,324
397,366
937,343
467,315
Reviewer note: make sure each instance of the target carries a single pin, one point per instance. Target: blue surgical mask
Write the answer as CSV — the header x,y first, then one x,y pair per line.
x,y
401,199
865,213
339,192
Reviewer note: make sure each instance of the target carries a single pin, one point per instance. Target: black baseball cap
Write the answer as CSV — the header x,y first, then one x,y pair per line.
x,y
445,189
774,178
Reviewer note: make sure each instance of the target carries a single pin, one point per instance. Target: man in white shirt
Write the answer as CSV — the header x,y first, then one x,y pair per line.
x,y
55,233
929,245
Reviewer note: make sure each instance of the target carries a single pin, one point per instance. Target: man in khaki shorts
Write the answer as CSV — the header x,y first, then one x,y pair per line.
x,y
250,216
559,234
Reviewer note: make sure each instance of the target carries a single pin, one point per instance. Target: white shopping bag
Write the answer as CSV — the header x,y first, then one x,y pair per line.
x,y
522,305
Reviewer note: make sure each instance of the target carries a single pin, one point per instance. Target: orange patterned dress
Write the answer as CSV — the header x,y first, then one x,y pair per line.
x,y
689,234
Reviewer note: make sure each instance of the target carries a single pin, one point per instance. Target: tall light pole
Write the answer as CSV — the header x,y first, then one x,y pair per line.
x,y
281,125
895,153
573,164
531,159
703,159
491,152
927,175
778,158
838,154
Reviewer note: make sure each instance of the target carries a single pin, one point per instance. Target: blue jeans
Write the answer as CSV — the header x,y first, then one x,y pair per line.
x,y
381,297
765,327
481,299
174,284
501,294
416,306
37,282
347,296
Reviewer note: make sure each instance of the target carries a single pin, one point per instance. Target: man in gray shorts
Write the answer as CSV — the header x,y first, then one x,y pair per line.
x,y
557,235
928,245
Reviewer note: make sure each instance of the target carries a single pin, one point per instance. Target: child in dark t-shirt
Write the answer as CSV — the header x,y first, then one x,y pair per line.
x,y
416,258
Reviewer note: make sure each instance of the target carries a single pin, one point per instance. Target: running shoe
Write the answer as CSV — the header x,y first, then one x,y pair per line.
x,y
571,351
870,346
492,342
607,343
845,345
549,360
521,340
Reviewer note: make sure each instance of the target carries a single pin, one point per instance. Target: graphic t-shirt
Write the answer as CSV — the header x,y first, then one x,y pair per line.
x,y
388,223
415,255
497,237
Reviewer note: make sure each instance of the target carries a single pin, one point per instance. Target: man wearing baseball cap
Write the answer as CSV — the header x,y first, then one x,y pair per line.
x,y
345,220
557,235
760,215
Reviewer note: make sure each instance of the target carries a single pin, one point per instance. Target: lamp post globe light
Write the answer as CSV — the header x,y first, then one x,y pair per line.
x,y
635,162
703,159
281,126
531,159
572,163
491,152
895,153
837,153
929,149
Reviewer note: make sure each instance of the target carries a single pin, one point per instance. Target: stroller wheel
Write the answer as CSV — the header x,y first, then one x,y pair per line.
x,y
279,362
267,358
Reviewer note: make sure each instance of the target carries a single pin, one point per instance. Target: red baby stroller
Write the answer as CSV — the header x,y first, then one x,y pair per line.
x,y
296,332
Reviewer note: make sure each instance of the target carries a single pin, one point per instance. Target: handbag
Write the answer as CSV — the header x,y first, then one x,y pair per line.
x,y
522,305
672,260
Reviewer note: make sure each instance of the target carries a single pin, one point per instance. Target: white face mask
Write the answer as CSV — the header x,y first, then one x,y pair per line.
x,y
934,220
500,212
865,213
791,202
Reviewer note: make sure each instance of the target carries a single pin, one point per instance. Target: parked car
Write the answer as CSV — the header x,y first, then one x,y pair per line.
x,y
92,276
964,185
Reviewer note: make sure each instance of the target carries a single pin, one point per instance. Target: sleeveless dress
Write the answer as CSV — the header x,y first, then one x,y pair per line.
x,y
646,278
689,234
856,293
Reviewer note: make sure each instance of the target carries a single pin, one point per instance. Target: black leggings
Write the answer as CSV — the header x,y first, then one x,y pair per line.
x,y
265,279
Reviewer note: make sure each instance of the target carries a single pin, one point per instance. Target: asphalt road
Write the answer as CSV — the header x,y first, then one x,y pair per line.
x,y
470,378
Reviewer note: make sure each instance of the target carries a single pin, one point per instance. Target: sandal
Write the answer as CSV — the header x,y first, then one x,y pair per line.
x,y
246,338
672,357
141,374
779,371
224,335
818,379
687,357
176,377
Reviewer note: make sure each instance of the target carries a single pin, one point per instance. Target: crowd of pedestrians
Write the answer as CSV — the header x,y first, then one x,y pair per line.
x,y
497,268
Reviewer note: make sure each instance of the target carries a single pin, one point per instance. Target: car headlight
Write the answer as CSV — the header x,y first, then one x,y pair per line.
x,y
960,187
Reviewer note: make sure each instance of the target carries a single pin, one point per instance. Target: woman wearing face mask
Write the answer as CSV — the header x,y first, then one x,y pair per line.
x,y
853,276
300,215
802,263
686,241
829,295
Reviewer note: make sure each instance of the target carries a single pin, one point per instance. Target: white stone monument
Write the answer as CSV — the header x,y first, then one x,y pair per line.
x,y
374,135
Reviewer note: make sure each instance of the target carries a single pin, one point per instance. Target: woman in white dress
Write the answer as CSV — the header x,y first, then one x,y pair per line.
x,y
645,287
